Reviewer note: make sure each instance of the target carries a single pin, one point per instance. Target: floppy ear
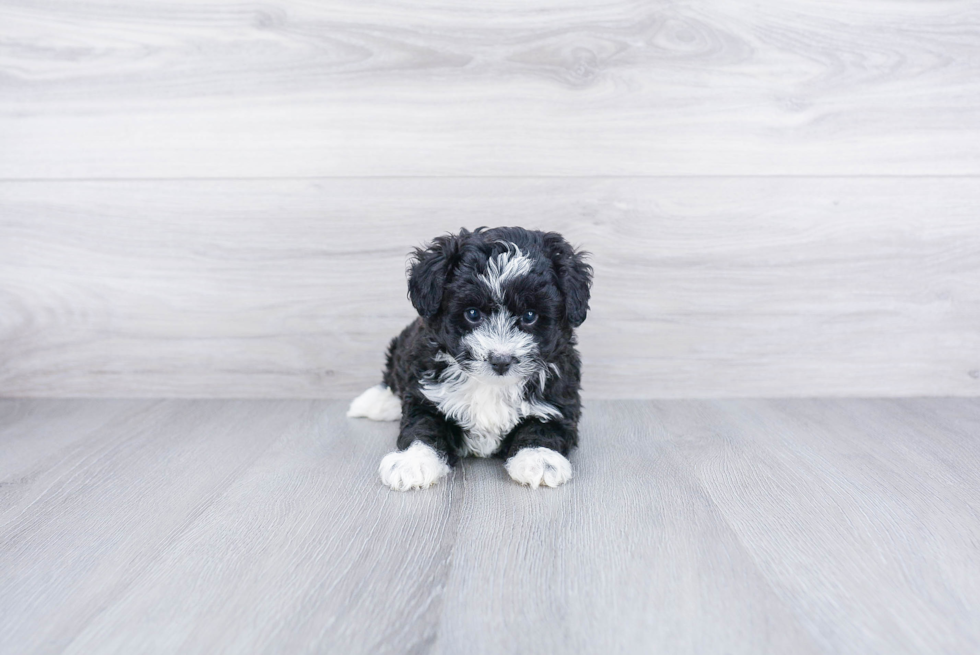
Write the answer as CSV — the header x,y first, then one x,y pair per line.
x,y
428,271
573,274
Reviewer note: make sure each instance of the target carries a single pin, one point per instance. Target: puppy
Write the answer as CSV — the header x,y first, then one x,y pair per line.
x,y
489,368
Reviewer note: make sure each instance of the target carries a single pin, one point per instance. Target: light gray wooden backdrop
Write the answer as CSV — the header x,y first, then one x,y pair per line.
x,y
216,199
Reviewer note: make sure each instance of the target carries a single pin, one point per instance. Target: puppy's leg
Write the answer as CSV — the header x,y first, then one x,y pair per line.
x,y
377,404
422,458
536,453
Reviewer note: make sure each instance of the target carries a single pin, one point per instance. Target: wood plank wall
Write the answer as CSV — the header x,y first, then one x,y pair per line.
x,y
217,199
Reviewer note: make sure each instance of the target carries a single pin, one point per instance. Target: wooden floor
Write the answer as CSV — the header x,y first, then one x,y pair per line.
x,y
725,526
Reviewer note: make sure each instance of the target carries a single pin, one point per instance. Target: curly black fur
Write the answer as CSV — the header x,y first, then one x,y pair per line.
x,y
443,284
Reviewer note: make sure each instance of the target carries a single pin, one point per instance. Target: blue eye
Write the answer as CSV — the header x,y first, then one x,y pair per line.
x,y
472,315
529,317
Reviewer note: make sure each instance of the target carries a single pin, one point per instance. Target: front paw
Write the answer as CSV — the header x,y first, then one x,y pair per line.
x,y
417,467
539,466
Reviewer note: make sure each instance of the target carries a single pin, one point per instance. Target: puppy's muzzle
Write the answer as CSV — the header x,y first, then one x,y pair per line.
x,y
501,363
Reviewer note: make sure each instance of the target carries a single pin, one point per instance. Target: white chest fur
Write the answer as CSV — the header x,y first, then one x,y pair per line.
x,y
487,410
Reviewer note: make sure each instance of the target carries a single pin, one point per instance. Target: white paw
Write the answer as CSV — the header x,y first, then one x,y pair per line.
x,y
539,466
417,467
377,404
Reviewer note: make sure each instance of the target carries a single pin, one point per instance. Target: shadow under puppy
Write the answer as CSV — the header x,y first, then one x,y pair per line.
x,y
489,368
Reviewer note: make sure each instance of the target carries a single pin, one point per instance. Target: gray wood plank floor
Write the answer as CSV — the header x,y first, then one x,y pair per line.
x,y
736,526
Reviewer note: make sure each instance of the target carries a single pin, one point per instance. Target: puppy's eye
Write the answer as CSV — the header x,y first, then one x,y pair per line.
x,y
530,317
472,315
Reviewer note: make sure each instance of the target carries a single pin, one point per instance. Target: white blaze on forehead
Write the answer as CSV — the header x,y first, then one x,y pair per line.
x,y
504,267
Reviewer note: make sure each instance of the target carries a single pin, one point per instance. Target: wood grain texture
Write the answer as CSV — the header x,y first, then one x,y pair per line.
x,y
176,88
634,557
127,487
703,287
791,476
736,526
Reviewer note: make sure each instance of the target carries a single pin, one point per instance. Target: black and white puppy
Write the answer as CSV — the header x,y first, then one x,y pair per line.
x,y
489,368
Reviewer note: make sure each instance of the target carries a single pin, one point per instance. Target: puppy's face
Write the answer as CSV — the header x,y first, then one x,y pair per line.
x,y
501,302
501,314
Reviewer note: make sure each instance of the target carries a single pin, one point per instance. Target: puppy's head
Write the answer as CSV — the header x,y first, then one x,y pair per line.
x,y
501,302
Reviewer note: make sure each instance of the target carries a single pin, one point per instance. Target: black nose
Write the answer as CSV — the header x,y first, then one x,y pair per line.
x,y
501,363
